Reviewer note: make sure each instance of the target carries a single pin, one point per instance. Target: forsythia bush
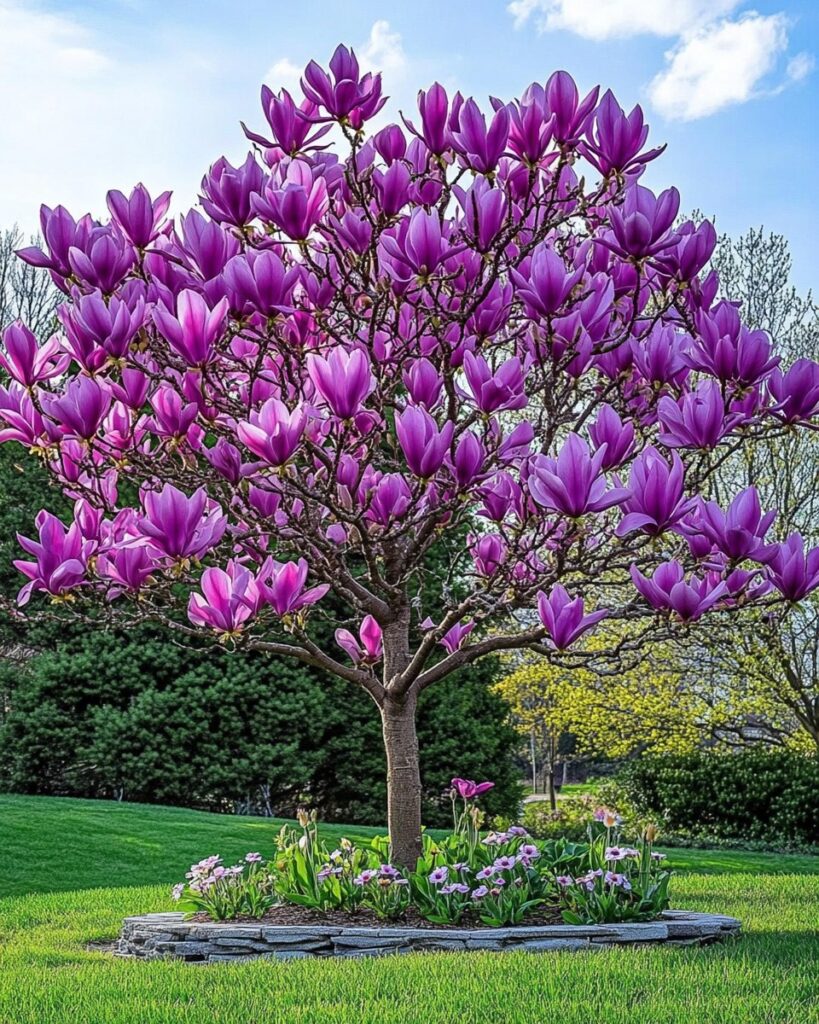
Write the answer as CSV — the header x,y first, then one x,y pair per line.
x,y
747,795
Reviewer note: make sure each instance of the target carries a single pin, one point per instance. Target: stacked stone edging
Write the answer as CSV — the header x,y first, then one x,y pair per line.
x,y
156,936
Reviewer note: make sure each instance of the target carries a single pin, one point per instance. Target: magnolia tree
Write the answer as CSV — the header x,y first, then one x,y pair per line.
x,y
365,346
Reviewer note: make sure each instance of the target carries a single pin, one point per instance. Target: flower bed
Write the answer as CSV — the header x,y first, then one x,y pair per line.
x,y
468,879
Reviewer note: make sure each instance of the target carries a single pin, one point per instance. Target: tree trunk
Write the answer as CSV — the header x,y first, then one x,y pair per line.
x,y
550,784
403,779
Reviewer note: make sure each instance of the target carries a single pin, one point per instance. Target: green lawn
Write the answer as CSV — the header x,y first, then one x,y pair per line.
x,y
86,864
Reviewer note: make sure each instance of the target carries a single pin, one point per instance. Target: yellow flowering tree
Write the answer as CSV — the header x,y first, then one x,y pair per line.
x,y
648,706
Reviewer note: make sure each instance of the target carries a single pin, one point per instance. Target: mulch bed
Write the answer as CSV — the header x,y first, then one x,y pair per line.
x,y
289,914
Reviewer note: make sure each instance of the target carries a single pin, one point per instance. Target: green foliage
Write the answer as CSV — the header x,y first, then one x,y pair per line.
x,y
569,820
751,794
138,717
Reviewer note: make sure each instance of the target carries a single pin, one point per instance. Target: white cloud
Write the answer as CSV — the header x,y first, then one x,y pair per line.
x,y
718,66
284,75
800,66
607,19
80,116
716,62
384,50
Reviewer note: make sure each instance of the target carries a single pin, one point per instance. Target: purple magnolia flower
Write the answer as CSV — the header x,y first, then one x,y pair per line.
x,y
23,421
793,571
296,204
530,129
418,247
544,283
656,500
425,445
390,144
60,558
564,881
479,892
697,420
640,227
467,789
274,432
392,187
229,598
28,362
692,249
424,383
282,587
740,531
81,408
455,636
494,392
667,590
193,332
343,379
293,127
61,233
485,210
172,416
615,139
480,147
618,437
128,566
489,553
439,875
370,649
505,863
181,526
796,391
433,106
660,357
571,116
729,351
614,853
139,216
104,259
469,460
347,95
258,281
99,328
563,617
389,499
573,484
227,191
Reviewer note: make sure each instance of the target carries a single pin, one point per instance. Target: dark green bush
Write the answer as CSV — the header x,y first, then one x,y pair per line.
x,y
140,718
770,796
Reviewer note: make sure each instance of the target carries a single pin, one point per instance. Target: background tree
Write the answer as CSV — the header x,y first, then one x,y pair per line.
x,y
763,672
25,294
646,708
355,351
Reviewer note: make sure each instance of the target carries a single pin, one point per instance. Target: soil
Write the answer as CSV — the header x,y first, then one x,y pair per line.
x,y
290,914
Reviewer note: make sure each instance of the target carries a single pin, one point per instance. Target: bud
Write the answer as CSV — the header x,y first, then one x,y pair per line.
x,y
651,833
302,817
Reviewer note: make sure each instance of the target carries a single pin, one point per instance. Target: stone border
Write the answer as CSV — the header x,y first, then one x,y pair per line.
x,y
156,936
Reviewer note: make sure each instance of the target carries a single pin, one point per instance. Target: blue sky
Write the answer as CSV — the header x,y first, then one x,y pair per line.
x,y
104,93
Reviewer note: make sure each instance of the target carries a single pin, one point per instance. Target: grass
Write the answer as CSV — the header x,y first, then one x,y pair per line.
x,y
72,869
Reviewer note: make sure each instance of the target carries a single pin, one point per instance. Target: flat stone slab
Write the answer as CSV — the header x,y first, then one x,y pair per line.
x,y
169,935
